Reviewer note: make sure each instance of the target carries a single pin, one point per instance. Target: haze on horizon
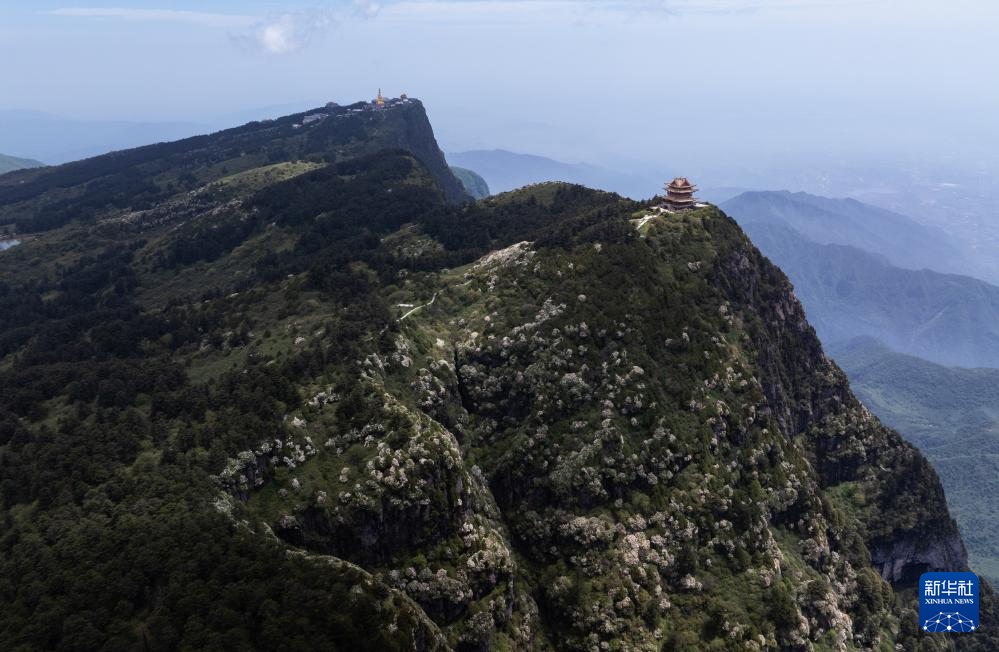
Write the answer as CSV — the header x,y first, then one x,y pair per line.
x,y
686,84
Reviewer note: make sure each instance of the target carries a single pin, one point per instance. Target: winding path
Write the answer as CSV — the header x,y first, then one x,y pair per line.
x,y
429,303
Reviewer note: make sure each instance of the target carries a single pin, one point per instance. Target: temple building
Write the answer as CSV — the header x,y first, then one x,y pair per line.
x,y
679,195
379,101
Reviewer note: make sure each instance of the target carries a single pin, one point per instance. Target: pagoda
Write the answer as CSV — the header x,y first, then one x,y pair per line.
x,y
679,195
379,101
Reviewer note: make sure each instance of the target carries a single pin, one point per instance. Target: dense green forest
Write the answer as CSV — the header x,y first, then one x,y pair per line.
x,y
288,388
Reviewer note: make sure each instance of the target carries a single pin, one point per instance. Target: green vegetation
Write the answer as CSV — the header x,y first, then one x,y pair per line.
x,y
147,177
279,389
952,415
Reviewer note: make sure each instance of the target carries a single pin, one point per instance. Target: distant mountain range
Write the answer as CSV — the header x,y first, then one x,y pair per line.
x,y
504,170
901,240
952,414
849,291
11,163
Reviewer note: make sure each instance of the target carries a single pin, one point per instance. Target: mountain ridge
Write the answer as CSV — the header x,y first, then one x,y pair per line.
x,y
901,240
318,399
56,139
945,318
116,178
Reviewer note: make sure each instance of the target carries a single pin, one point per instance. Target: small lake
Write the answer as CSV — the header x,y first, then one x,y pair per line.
x,y
7,244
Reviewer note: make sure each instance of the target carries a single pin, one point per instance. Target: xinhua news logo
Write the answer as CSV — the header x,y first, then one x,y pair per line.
x,y
948,602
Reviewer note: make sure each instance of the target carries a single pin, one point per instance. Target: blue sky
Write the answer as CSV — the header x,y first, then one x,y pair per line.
x,y
602,81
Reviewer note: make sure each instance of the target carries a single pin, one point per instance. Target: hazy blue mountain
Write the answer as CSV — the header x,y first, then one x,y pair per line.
x,y
952,414
903,241
847,292
720,194
474,184
11,163
504,171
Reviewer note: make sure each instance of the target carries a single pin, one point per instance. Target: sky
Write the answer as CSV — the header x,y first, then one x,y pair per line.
x,y
698,84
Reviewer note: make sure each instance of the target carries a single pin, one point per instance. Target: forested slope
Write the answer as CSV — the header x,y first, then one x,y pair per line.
x,y
311,401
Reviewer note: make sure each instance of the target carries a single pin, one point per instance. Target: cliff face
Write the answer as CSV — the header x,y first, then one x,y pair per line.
x,y
810,396
408,128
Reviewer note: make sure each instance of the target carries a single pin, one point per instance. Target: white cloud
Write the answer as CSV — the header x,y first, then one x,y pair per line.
x,y
367,8
288,32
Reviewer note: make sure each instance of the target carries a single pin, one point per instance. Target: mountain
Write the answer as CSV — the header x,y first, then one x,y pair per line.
x,y
847,293
474,185
142,178
11,163
720,194
902,241
952,415
505,171
285,388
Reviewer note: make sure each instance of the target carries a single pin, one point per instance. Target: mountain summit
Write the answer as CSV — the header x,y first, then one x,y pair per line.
x,y
45,198
283,387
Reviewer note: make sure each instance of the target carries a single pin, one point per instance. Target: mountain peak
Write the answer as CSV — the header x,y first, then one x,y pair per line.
x,y
127,179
